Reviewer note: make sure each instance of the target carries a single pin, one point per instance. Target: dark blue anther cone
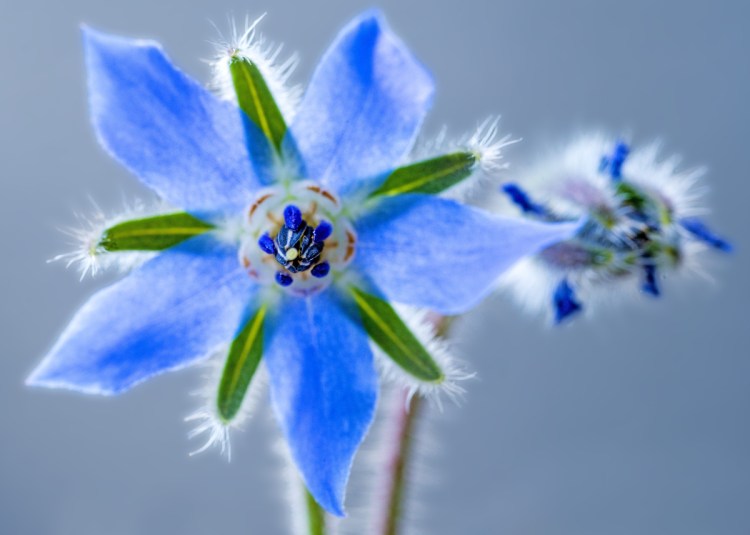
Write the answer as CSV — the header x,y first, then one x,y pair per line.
x,y
266,244
650,283
288,237
698,228
322,231
320,270
293,217
521,199
306,248
283,278
565,302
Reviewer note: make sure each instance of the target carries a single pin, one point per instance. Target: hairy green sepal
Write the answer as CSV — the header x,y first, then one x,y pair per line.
x,y
429,176
152,233
242,362
632,196
387,330
256,100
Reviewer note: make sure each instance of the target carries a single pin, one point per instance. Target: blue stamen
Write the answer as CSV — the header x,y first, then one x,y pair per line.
x,y
603,164
613,164
320,270
322,231
565,302
521,199
293,217
698,228
283,278
650,284
266,244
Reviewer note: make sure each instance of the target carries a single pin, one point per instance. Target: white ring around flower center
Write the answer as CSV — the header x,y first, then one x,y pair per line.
x,y
266,216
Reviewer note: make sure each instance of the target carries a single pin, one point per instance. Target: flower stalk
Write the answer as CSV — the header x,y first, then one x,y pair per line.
x,y
407,411
405,416
316,516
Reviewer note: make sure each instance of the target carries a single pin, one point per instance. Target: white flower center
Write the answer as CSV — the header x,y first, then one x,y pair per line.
x,y
296,238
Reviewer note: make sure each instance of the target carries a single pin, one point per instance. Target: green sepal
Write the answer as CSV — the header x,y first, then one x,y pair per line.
x,y
388,330
429,176
633,197
154,233
256,100
242,362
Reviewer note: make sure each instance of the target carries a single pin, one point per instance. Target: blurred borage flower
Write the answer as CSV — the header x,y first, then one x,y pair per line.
x,y
300,224
642,219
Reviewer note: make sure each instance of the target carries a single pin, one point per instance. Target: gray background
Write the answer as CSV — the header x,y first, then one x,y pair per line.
x,y
631,422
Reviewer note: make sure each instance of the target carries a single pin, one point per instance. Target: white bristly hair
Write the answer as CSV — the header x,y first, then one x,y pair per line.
x,y
372,477
206,418
87,256
250,44
423,327
485,142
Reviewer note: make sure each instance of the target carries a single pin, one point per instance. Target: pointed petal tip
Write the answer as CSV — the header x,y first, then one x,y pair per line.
x,y
33,379
371,14
38,379
331,501
101,40
93,36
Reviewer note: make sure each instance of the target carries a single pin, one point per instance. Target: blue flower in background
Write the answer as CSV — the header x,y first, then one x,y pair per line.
x,y
294,228
641,221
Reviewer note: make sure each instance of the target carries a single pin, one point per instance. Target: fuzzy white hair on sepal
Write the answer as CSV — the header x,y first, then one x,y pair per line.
x,y
87,256
485,143
680,188
250,44
488,145
206,419
422,324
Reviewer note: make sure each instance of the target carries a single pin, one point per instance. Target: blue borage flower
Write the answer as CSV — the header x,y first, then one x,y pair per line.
x,y
299,227
641,220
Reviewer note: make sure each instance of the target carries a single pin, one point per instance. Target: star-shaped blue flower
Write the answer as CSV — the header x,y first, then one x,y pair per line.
x,y
292,241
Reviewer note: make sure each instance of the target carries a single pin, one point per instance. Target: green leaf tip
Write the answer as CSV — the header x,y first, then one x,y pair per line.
x,y
430,176
154,233
392,335
242,361
256,100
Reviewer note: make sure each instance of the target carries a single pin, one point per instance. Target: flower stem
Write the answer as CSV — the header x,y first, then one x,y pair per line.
x,y
316,517
404,418
406,413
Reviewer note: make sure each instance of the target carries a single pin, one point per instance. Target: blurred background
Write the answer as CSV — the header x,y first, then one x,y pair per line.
x,y
635,421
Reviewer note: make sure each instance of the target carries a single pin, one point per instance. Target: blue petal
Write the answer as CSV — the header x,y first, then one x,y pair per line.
x,y
700,231
520,198
363,108
565,302
324,388
433,252
650,283
164,127
169,313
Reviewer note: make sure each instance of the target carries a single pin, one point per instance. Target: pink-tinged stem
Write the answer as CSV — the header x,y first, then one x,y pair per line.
x,y
403,421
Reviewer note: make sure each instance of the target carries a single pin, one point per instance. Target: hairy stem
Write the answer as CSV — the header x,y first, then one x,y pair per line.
x,y
404,418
